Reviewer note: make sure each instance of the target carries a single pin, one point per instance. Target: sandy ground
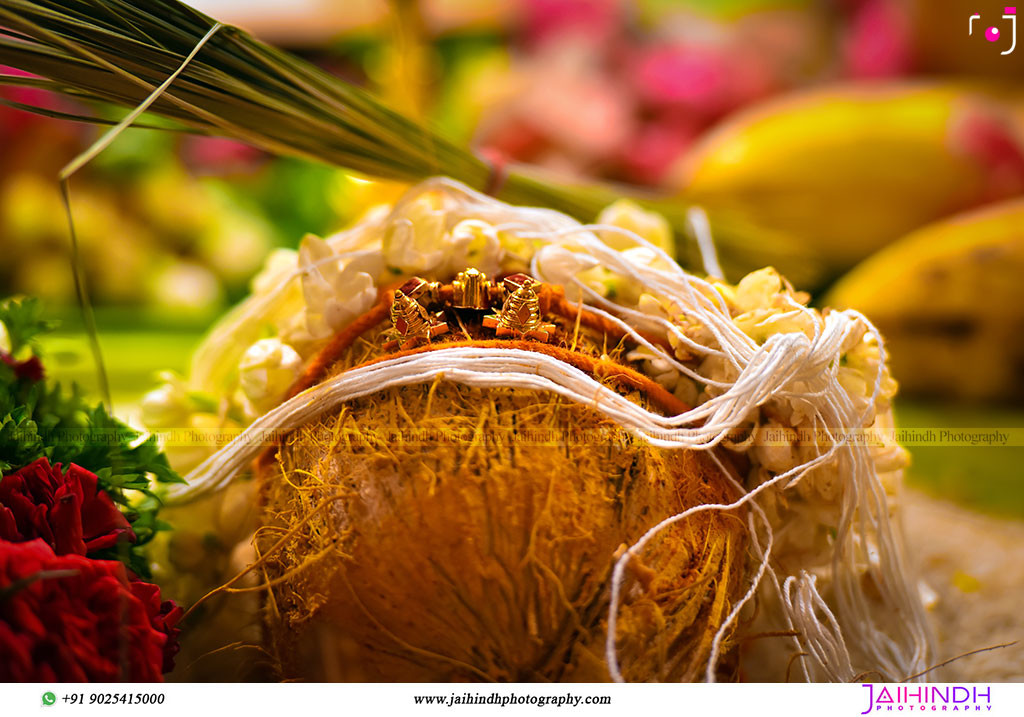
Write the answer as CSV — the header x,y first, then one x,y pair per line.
x,y
975,565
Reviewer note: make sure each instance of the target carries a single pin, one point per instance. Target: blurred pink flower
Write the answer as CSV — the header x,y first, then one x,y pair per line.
x,y
216,155
878,42
708,81
655,148
599,21
13,121
988,135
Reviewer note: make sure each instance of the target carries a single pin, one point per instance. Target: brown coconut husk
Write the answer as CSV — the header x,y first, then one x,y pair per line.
x,y
445,532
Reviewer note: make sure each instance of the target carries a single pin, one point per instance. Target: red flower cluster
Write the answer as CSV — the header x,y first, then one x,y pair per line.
x,y
68,618
64,616
67,510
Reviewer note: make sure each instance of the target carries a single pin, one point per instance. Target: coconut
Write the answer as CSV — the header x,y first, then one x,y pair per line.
x,y
447,532
627,471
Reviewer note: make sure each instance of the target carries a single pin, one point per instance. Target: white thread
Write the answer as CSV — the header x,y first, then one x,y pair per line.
x,y
697,218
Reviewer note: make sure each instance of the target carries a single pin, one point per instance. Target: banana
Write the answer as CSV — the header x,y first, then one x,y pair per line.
x,y
949,300
847,169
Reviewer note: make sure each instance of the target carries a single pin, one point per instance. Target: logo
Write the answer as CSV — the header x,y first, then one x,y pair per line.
x,y
928,698
994,34
49,698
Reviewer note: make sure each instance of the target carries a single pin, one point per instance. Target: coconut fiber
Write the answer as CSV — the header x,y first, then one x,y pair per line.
x,y
447,532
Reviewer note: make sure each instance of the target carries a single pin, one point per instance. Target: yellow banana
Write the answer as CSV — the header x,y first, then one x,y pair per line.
x,y
847,169
949,299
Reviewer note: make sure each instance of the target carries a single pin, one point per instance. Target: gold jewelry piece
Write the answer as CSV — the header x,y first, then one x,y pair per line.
x,y
411,324
470,290
520,316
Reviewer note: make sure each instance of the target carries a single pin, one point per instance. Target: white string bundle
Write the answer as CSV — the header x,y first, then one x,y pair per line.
x,y
851,628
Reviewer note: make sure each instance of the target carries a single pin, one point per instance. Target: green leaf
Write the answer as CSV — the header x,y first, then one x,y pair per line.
x,y
22,317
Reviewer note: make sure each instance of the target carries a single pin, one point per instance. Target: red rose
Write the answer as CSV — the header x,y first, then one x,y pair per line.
x,y
73,619
164,615
67,510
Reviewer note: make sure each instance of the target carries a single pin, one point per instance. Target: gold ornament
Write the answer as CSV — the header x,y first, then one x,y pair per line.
x,y
520,316
411,324
470,290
